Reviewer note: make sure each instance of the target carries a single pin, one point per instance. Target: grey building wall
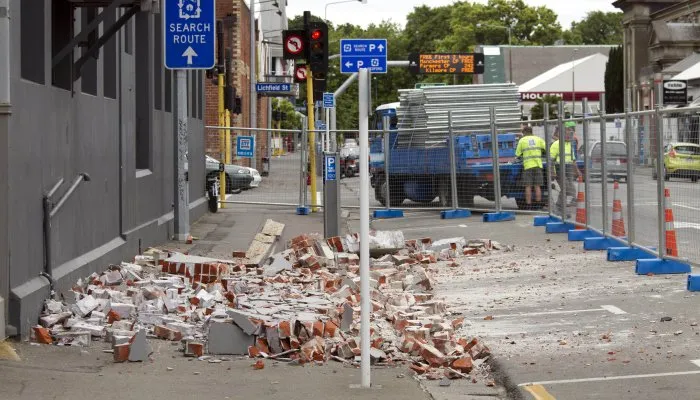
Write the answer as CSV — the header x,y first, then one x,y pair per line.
x,y
55,134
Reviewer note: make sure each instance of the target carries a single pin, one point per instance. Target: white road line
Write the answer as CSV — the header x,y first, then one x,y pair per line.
x,y
608,308
613,309
433,227
686,225
684,206
616,378
462,226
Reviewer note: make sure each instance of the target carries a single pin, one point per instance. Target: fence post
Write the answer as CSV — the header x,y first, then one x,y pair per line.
x,y
660,182
303,209
496,165
453,162
562,162
548,143
604,163
630,173
387,147
586,163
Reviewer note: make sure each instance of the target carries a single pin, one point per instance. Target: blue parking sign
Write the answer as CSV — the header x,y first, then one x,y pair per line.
x,y
331,167
245,146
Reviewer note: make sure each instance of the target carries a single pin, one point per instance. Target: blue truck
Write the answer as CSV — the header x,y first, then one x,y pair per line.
x,y
422,174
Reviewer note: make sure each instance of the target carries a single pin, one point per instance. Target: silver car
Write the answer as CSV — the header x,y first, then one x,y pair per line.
x,y
616,160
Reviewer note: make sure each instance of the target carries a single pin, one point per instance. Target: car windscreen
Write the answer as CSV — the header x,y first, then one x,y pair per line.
x,y
613,150
688,150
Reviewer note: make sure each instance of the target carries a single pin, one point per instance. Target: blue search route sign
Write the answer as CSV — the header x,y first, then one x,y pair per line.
x,y
189,34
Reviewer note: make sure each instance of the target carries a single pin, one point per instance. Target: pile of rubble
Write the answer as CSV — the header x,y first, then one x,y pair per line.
x,y
301,305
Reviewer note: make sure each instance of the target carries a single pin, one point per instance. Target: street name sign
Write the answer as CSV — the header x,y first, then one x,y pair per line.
x,y
189,34
363,53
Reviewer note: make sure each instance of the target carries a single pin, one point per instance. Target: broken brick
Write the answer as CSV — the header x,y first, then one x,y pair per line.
x,y
167,333
194,349
253,352
318,328
284,329
260,364
42,335
121,352
463,364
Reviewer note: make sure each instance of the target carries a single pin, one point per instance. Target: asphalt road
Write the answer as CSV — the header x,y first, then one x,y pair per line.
x,y
565,323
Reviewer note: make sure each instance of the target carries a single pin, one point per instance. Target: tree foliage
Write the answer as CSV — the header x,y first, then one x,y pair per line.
x,y
537,111
614,88
457,27
597,28
291,119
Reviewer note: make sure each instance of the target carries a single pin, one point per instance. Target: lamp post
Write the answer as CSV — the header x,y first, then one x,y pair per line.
x,y
510,45
573,84
325,14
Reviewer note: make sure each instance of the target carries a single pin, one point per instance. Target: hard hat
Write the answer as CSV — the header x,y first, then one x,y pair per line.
x,y
570,124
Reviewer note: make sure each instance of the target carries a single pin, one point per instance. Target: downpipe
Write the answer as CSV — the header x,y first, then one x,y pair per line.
x,y
50,210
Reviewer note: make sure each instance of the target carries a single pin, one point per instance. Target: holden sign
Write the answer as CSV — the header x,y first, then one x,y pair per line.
x,y
675,92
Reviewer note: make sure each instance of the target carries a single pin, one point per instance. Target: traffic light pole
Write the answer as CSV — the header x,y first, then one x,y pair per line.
x,y
312,137
222,141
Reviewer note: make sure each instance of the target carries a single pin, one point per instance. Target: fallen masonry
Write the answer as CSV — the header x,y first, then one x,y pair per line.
x,y
300,305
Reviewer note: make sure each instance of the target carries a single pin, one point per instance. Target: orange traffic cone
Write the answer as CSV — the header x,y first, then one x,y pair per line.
x,y
581,203
618,223
671,243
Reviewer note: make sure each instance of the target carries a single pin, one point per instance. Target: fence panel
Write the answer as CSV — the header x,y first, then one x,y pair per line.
x,y
246,185
681,172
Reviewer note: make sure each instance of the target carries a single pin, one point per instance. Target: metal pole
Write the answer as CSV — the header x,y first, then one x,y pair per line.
x,y
386,120
630,169
604,163
660,182
222,140
510,52
562,161
253,81
332,123
548,143
302,166
5,53
364,225
328,129
586,163
182,196
453,162
496,165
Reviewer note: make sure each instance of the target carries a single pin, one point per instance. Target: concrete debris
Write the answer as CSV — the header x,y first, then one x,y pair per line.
x,y
301,305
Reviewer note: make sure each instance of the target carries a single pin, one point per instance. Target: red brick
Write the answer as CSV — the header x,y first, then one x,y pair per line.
x,y
121,352
284,329
432,356
318,328
263,345
112,316
331,329
419,369
194,348
260,364
463,364
167,333
42,335
238,254
253,352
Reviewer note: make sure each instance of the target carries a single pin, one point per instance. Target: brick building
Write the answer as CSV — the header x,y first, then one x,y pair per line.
x,y
235,15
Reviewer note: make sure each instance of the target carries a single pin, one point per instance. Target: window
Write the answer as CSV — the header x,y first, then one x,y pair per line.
x,y
157,63
688,150
168,90
88,73
109,59
142,89
61,34
32,40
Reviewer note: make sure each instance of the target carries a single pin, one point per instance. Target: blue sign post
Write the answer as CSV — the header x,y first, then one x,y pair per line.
x,y
190,34
363,53
245,146
328,100
331,167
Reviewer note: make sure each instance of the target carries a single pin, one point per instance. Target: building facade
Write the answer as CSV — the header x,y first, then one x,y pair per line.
x,y
88,101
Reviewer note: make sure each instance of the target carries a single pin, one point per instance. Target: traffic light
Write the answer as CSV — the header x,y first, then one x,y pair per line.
x,y
317,48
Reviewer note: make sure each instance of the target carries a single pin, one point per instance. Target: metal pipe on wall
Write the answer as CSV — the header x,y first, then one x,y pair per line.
x,y
253,79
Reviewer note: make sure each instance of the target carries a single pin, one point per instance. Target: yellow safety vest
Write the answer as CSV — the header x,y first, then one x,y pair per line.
x,y
554,152
530,148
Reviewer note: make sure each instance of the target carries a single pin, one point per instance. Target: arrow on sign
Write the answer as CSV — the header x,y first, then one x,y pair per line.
x,y
381,47
349,64
189,53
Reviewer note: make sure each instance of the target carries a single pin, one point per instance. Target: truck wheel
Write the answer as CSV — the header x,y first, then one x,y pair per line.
x,y
396,194
445,193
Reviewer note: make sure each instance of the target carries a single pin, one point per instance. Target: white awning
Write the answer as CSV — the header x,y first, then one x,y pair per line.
x,y
582,75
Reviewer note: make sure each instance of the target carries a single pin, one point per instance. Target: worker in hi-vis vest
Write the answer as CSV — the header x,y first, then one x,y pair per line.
x,y
571,171
530,149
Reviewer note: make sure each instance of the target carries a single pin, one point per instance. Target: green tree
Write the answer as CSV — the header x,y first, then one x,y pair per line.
x,y
614,89
537,111
597,28
290,118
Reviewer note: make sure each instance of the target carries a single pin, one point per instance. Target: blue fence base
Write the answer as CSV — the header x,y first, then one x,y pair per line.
x,y
455,214
499,217
628,254
543,220
602,243
579,235
559,227
303,210
388,214
694,283
658,266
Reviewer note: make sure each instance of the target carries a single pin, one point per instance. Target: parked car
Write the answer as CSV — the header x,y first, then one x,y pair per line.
x,y
237,178
257,178
349,166
616,160
681,160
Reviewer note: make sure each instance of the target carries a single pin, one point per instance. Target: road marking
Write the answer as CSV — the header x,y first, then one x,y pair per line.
x,y
686,225
433,227
608,308
696,362
462,226
613,309
684,206
539,392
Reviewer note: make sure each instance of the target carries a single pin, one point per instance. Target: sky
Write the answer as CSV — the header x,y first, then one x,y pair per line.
x,y
396,10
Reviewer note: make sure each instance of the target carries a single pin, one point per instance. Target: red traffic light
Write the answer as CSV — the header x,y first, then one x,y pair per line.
x,y
317,34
